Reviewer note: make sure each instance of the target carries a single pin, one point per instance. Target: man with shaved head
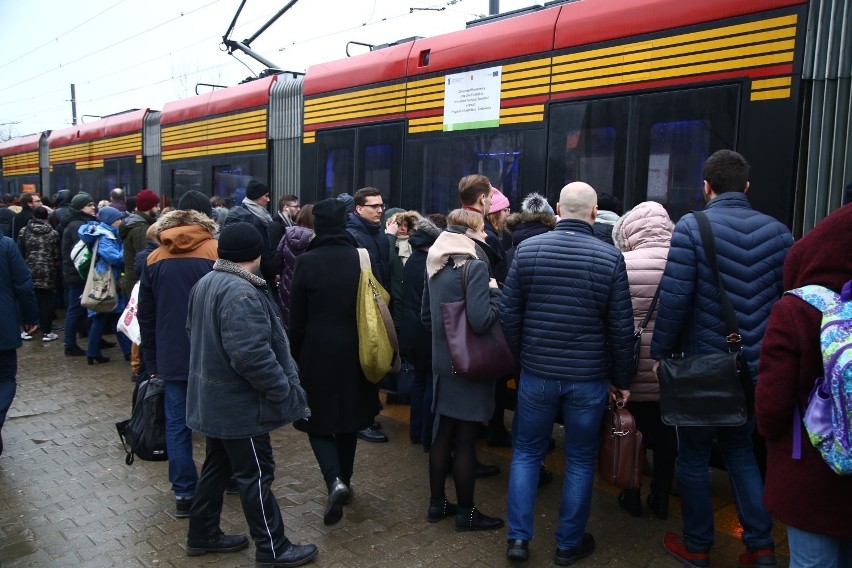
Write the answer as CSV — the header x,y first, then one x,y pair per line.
x,y
568,318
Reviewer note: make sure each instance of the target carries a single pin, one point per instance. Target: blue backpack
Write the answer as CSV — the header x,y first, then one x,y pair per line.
x,y
828,416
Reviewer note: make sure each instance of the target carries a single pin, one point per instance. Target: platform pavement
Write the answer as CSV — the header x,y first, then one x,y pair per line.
x,y
68,499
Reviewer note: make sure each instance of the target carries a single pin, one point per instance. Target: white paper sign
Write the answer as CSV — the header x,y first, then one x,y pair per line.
x,y
472,99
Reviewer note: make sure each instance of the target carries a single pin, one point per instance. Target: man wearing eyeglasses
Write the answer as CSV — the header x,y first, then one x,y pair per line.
x,y
365,224
288,209
29,201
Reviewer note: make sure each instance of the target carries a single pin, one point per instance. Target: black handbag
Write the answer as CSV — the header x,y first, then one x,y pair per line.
x,y
637,335
710,389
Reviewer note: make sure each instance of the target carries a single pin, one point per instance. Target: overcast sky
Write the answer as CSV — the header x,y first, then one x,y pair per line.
x,y
125,54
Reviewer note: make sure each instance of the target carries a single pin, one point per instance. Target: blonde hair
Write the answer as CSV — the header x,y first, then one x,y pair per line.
x,y
466,218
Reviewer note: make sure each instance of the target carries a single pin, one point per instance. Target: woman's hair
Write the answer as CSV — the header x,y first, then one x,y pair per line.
x,y
465,218
217,201
103,203
305,218
497,220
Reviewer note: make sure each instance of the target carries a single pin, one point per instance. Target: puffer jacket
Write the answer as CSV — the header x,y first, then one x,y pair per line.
x,y
523,225
39,245
242,380
294,242
644,235
566,307
750,251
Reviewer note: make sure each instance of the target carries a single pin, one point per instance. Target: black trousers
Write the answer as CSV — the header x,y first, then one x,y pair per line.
x,y
250,462
335,455
45,310
660,439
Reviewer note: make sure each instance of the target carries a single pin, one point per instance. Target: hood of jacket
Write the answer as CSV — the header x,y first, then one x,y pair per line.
x,y
522,217
425,233
39,227
822,255
63,198
646,225
131,220
606,217
180,218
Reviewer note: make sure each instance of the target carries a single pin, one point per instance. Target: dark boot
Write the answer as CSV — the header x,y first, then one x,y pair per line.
x,y
337,496
470,519
631,501
440,509
659,505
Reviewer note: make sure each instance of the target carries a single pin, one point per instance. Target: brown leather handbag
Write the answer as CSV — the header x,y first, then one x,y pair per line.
x,y
620,456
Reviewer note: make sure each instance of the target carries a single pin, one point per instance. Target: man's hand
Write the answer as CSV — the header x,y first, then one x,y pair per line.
x,y
619,396
655,367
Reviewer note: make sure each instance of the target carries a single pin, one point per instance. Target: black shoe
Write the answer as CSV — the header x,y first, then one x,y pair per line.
x,y
570,556
371,435
97,360
499,438
659,505
472,520
483,470
631,501
222,543
518,549
107,344
376,425
182,507
74,351
440,509
337,496
545,476
232,488
295,555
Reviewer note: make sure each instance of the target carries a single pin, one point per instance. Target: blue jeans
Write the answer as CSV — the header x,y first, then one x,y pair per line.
x,y
96,332
693,473
8,386
814,550
75,314
582,404
182,472
422,418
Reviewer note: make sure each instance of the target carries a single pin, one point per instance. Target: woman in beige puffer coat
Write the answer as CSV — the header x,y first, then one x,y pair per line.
x,y
644,234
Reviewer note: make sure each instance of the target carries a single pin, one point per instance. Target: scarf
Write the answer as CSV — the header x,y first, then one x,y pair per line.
x,y
404,248
449,246
258,211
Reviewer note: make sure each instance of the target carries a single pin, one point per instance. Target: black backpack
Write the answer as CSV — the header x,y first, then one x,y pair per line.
x,y
145,432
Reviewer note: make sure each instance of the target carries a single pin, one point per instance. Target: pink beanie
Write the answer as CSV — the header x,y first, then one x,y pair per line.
x,y
498,202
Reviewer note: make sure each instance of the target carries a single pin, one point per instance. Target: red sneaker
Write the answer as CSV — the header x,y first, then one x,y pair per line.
x,y
757,558
676,547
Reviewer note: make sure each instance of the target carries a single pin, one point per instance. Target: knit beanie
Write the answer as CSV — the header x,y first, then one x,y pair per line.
x,y
498,202
197,201
348,201
80,200
240,242
329,216
146,200
109,215
536,203
256,189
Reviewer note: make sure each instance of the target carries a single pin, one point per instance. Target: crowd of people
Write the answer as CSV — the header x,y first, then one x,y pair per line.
x,y
238,310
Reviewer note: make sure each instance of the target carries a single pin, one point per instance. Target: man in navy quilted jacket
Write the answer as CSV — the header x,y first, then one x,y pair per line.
x,y
568,318
750,251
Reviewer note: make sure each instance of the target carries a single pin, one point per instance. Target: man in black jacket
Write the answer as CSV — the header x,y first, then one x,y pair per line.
x,y
568,318
29,201
82,210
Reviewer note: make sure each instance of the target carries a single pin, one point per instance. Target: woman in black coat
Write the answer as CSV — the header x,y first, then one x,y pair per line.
x,y
324,342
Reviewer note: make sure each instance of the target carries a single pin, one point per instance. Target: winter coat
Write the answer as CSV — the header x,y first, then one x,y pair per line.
x,y
415,339
242,380
522,226
603,225
804,493
69,236
63,201
324,337
750,249
294,242
39,245
566,307
644,235
21,220
7,218
187,252
371,237
241,214
455,396
132,232
494,240
16,291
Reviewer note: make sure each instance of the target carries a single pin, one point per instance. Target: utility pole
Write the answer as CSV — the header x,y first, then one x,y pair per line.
x,y
73,105
493,7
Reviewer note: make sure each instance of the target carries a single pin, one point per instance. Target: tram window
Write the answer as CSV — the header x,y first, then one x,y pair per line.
x,y
227,180
445,162
63,177
184,180
378,164
118,172
677,153
338,172
588,142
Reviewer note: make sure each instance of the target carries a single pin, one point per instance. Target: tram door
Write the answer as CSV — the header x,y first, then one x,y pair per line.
x,y
367,156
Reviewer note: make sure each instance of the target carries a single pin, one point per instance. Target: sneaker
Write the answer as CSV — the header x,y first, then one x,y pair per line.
x,y
756,558
182,507
26,336
676,547
49,337
565,557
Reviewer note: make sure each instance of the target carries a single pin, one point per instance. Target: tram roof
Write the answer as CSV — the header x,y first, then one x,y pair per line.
x,y
239,97
124,123
27,143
